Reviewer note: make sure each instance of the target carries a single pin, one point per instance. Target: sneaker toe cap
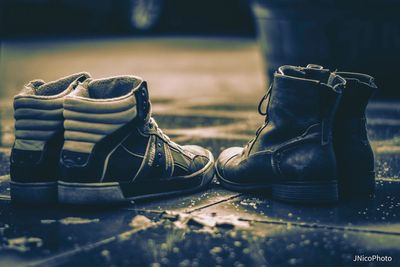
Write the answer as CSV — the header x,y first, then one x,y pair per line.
x,y
201,158
197,150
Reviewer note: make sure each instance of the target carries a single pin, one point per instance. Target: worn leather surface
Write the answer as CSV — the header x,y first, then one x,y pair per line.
x,y
295,143
355,158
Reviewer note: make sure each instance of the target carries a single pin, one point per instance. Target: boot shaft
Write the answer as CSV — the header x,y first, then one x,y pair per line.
x,y
300,98
350,121
354,155
355,97
292,153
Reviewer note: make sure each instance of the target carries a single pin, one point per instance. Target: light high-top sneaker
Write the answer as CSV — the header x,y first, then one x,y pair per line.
x,y
38,112
292,154
114,151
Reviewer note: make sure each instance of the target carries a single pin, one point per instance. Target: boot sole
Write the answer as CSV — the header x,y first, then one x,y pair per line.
x,y
33,193
111,193
307,192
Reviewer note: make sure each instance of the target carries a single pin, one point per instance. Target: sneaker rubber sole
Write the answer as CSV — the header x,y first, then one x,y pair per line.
x,y
109,193
33,193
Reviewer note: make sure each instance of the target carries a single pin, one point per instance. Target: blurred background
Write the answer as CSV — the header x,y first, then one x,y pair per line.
x,y
210,54
356,35
89,17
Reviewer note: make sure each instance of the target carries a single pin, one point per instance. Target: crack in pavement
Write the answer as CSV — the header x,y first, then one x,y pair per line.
x,y
64,256
323,226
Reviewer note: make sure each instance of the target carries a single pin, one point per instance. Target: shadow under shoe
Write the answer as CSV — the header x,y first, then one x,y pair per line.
x,y
292,154
38,112
114,151
354,156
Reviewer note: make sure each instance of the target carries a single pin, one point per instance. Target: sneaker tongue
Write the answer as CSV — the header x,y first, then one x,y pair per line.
x,y
112,87
82,90
31,87
58,86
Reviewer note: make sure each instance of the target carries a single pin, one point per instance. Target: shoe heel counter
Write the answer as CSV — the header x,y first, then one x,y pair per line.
x,y
38,138
94,129
36,165
306,160
355,154
352,147
37,120
89,128
25,166
79,167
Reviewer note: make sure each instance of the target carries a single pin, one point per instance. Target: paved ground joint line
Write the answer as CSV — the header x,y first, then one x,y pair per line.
x,y
64,256
323,226
213,204
188,211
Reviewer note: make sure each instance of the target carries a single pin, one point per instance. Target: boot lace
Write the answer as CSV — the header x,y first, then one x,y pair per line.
x,y
265,98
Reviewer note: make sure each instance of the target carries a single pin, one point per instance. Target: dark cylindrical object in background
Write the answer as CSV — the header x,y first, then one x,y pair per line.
x,y
357,35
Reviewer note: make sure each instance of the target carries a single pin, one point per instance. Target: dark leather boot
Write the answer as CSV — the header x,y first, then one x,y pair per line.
x,y
354,156
292,153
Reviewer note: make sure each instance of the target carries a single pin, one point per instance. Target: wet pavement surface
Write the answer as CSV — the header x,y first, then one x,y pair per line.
x,y
204,92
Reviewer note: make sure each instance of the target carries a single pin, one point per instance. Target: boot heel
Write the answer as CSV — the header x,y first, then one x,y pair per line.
x,y
306,192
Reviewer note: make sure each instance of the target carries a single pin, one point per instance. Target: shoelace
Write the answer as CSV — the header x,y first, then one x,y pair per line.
x,y
153,124
265,98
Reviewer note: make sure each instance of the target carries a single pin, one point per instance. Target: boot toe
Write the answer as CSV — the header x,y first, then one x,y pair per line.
x,y
224,158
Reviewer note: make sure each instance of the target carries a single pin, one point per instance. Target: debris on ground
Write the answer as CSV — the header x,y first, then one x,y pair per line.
x,y
3,228
210,221
48,221
77,220
141,221
23,244
138,223
170,216
70,220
